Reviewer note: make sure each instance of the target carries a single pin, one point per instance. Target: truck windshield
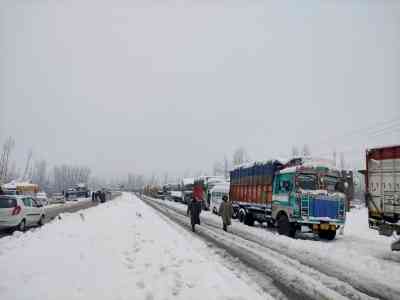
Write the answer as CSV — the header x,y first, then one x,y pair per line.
x,y
307,181
330,183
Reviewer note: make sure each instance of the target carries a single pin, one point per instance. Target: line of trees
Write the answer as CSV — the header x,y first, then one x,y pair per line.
x,y
37,171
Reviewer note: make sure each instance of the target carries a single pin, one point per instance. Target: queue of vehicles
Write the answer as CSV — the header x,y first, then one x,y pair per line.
x,y
304,194
23,205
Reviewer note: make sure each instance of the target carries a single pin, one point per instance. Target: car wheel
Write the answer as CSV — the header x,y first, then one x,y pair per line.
x,y
41,221
21,226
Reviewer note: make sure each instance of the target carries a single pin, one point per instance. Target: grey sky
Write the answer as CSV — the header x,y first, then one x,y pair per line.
x,y
142,87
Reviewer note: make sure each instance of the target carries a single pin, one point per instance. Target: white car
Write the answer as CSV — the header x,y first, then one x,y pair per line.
x,y
42,198
217,193
57,198
19,212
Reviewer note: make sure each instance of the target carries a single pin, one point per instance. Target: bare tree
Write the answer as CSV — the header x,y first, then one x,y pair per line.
x,y
65,176
218,168
334,157
5,158
306,150
40,173
13,172
240,156
342,161
295,151
226,167
28,167
165,181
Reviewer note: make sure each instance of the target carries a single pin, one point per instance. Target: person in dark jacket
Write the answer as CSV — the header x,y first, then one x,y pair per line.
x,y
195,210
226,212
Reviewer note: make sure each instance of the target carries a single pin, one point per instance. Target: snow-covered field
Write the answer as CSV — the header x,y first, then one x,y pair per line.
x,y
119,250
360,257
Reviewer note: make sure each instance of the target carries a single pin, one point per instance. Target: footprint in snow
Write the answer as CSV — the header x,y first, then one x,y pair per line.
x,y
149,296
140,284
129,259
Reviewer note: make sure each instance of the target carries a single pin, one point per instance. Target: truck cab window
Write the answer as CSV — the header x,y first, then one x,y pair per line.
x,y
307,181
285,186
330,183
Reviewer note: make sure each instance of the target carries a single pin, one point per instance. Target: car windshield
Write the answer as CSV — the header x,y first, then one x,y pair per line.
x,y
330,183
7,202
307,181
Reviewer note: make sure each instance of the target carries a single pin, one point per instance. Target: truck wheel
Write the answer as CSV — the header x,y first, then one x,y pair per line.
x,y
327,234
284,226
249,220
241,217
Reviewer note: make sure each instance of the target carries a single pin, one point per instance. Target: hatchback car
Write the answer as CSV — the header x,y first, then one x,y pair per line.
x,y
19,212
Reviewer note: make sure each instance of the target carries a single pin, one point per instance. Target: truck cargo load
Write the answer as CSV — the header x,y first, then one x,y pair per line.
x,y
382,185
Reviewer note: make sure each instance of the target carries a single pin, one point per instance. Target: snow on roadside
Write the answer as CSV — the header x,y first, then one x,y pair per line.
x,y
360,251
119,250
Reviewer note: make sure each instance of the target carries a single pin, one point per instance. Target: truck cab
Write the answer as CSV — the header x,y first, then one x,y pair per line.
x,y
308,198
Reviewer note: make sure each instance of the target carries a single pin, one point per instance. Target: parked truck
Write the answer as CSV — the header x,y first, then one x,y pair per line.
x,y
382,185
302,194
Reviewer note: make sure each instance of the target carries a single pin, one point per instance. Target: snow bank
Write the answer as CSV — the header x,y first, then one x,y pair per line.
x,y
119,250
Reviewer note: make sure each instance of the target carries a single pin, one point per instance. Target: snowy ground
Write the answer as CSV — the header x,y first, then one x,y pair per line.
x,y
360,257
68,203
120,250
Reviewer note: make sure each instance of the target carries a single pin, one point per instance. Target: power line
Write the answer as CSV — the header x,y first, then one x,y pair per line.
x,y
369,129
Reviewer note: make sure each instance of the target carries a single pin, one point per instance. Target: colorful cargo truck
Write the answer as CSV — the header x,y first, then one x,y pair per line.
x,y
302,194
382,185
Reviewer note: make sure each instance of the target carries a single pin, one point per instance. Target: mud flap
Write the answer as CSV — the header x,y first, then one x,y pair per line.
x,y
341,230
395,246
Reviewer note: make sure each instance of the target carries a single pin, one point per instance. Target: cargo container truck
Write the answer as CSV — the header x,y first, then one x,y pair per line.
x,y
302,194
382,185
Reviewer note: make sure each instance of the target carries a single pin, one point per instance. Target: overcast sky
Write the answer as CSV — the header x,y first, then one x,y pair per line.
x,y
130,86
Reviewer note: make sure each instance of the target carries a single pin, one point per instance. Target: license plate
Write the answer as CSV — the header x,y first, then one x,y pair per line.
x,y
324,226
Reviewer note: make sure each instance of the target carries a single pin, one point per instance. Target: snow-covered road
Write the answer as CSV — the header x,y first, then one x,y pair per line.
x,y
120,250
360,258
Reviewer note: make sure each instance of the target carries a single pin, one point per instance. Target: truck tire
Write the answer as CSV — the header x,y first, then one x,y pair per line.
x,y
249,220
284,226
241,217
327,234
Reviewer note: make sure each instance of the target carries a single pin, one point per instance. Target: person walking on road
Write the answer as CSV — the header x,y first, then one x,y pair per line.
x,y
226,212
195,207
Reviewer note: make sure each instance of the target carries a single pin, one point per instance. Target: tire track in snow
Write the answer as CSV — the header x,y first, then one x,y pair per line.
x,y
350,277
288,274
